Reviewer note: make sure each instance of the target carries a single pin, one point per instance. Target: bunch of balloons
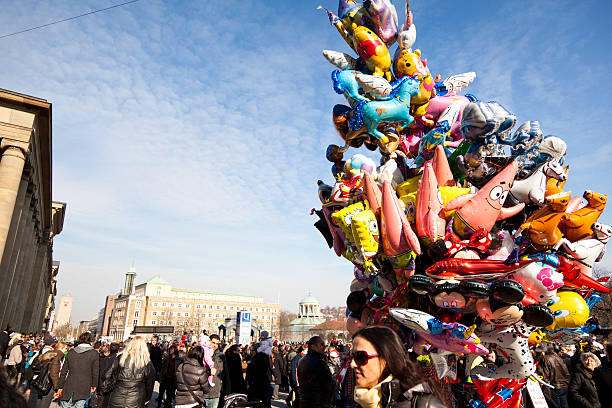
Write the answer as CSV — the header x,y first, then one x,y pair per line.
x,y
462,238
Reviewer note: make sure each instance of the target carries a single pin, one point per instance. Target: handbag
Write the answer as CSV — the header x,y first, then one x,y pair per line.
x,y
108,384
42,382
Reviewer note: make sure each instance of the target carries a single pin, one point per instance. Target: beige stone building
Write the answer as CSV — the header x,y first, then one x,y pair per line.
x,y
156,303
29,220
62,312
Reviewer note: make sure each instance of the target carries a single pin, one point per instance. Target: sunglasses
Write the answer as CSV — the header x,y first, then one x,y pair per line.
x,y
361,357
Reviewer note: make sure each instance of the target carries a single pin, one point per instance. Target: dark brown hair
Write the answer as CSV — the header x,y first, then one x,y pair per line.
x,y
390,349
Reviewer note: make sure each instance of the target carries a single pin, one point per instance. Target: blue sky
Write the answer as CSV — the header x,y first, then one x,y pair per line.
x,y
188,136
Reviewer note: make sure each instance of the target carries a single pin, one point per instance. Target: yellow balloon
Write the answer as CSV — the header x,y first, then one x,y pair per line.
x,y
344,217
570,311
365,233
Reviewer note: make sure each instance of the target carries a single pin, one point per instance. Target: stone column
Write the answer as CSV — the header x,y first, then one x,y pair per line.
x,y
21,270
11,168
11,258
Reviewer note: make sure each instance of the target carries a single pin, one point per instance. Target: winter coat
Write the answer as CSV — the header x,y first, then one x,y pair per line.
x,y
79,373
293,370
393,395
191,382
582,390
128,387
221,378
554,370
603,381
259,376
15,355
4,341
53,360
105,364
156,357
277,369
165,361
316,382
234,368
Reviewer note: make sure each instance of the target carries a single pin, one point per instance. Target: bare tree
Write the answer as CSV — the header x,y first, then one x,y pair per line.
x,y
63,331
283,322
602,311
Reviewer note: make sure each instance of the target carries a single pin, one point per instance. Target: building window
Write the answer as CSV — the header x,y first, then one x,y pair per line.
x,y
154,313
158,293
171,304
178,314
170,313
169,322
162,313
155,304
180,305
135,323
164,304
136,313
197,306
153,322
218,307
138,303
186,314
231,307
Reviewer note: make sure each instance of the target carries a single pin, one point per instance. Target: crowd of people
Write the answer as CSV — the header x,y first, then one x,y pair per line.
x,y
372,371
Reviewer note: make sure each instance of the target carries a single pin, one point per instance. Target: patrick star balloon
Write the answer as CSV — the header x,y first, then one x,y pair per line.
x,y
430,221
483,209
397,235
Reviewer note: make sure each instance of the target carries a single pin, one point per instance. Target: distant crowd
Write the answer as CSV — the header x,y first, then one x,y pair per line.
x,y
373,371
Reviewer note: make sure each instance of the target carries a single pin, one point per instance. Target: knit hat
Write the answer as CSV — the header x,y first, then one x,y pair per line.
x,y
264,334
334,354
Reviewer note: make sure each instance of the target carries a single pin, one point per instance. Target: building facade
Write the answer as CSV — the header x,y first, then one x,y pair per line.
x,y
62,313
29,219
157,303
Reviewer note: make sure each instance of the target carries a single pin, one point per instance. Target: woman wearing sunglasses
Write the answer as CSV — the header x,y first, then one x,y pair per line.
x,y
384,376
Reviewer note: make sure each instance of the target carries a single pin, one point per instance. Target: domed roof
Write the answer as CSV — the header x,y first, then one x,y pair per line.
x,y
309,299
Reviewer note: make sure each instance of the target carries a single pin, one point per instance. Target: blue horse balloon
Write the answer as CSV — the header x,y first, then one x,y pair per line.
x,y
396,109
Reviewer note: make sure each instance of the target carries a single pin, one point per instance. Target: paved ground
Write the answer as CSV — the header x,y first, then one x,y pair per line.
x,y
280,403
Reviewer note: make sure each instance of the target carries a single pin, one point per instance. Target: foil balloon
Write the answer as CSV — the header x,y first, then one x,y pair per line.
x,y
577,225
570,311
430,220
483,209
398,238
453,337
407,63
533,188
372,51
373,113
540,282
344,217
585,252
512,342
543,225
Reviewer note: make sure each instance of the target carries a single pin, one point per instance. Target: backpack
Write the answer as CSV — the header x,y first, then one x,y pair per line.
x,y
42,382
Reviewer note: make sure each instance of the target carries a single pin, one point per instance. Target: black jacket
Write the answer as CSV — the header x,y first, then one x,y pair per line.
x,y
4,341
277,369
316,382
128,387
105,364
259,376
191,382
582,391
79,373
234,368
221,378
156,357
603,381
393,395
